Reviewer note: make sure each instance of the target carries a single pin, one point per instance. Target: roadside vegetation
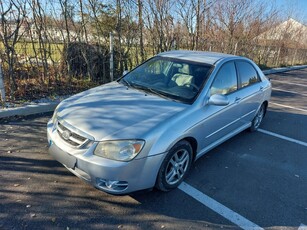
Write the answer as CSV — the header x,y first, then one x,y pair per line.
x,y
50,48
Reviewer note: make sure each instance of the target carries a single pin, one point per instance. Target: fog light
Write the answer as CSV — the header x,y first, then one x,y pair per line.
x,y
111,185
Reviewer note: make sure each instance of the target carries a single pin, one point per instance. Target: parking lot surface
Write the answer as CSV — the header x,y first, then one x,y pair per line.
x,y
254,180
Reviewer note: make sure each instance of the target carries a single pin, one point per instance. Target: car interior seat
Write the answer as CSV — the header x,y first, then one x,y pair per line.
x,y
182,78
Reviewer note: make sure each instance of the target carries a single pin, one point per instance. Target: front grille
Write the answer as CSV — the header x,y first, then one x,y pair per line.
x,y
70,136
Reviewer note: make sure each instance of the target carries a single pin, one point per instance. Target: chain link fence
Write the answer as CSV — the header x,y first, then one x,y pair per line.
x,y
57,69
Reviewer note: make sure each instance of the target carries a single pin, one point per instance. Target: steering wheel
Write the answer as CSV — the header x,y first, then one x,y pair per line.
x,y
191,84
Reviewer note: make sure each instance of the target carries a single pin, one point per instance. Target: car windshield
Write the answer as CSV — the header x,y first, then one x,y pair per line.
x,y
171,78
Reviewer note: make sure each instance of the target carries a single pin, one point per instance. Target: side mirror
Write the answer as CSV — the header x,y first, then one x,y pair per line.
x,y
218,99
125,72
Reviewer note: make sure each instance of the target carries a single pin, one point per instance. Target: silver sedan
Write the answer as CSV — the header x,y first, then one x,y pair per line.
x,y
147,128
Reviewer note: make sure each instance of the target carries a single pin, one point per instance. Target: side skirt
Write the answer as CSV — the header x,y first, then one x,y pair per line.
x,y
220,141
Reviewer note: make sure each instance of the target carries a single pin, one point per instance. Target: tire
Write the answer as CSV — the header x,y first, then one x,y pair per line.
x,y
258,118
175,166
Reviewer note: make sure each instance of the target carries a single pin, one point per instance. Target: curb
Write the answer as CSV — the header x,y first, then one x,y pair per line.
x,y
283,69
50,106
29,109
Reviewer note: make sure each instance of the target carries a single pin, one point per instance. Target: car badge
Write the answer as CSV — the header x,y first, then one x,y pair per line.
x,y
66,135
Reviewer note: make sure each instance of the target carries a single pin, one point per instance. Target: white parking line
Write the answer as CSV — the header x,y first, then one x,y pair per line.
x,y
287,106
283,137
217,207
302,227
222,210
288,91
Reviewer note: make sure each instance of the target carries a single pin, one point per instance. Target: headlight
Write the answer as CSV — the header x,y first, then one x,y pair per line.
x,y
55,114
122,150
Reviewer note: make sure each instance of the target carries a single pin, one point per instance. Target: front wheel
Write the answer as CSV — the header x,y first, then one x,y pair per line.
x,y
175,166
258,118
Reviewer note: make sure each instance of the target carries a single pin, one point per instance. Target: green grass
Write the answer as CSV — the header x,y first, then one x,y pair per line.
x,y
28,49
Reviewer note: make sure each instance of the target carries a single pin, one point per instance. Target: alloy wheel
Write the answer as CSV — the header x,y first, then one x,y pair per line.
x,y
177,166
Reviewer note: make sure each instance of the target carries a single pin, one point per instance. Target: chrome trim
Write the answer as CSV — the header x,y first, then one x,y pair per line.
x,y
76,137
223,127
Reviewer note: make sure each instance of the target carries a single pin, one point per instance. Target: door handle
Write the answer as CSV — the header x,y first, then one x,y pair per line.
x,y
261,88
237,99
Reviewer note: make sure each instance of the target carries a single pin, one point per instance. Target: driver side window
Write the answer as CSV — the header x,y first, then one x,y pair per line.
x,y
225,81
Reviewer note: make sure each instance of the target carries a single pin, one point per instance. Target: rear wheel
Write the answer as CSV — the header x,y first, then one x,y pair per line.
x,y
258,118
175,166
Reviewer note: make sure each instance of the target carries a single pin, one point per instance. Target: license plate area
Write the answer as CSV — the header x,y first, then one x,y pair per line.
x,y
62,157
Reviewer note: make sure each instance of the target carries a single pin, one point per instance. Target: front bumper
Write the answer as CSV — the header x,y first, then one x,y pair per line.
x,y
108,175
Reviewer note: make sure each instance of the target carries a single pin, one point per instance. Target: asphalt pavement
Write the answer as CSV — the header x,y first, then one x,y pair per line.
x,y
256,178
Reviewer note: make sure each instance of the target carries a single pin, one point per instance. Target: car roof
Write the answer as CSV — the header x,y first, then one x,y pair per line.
x,y
198,56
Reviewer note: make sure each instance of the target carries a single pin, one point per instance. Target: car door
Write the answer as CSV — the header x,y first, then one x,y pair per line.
x,y
250,90
222,120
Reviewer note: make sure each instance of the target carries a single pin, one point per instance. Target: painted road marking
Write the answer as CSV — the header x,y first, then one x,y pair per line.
x,y
222,210
288,91
217,207
283,137
287,106
302,227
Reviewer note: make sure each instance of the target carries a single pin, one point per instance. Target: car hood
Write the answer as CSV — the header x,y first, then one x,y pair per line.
x,y
114,111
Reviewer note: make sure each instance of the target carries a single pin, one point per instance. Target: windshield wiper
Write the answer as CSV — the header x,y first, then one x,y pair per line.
x,y
137,86
125,82
153,91
158,92
150,90
133,85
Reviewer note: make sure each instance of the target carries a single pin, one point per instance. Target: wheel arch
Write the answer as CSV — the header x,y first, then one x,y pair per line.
x,y
193,143
161,182
266,104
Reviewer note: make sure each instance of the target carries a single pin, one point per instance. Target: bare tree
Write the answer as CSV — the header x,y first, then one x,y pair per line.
x,y
12,19
141,28
230,18
187,14
160,24
195,17
41,24
67,15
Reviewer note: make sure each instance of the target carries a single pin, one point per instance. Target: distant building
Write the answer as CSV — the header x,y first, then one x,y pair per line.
x,y
291,32
54,33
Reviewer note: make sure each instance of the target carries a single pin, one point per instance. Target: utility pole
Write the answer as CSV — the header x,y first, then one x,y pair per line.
x,y
119,33
2,89
140,14
111,58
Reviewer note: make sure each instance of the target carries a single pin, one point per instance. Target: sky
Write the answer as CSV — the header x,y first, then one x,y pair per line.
x,y
296,9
